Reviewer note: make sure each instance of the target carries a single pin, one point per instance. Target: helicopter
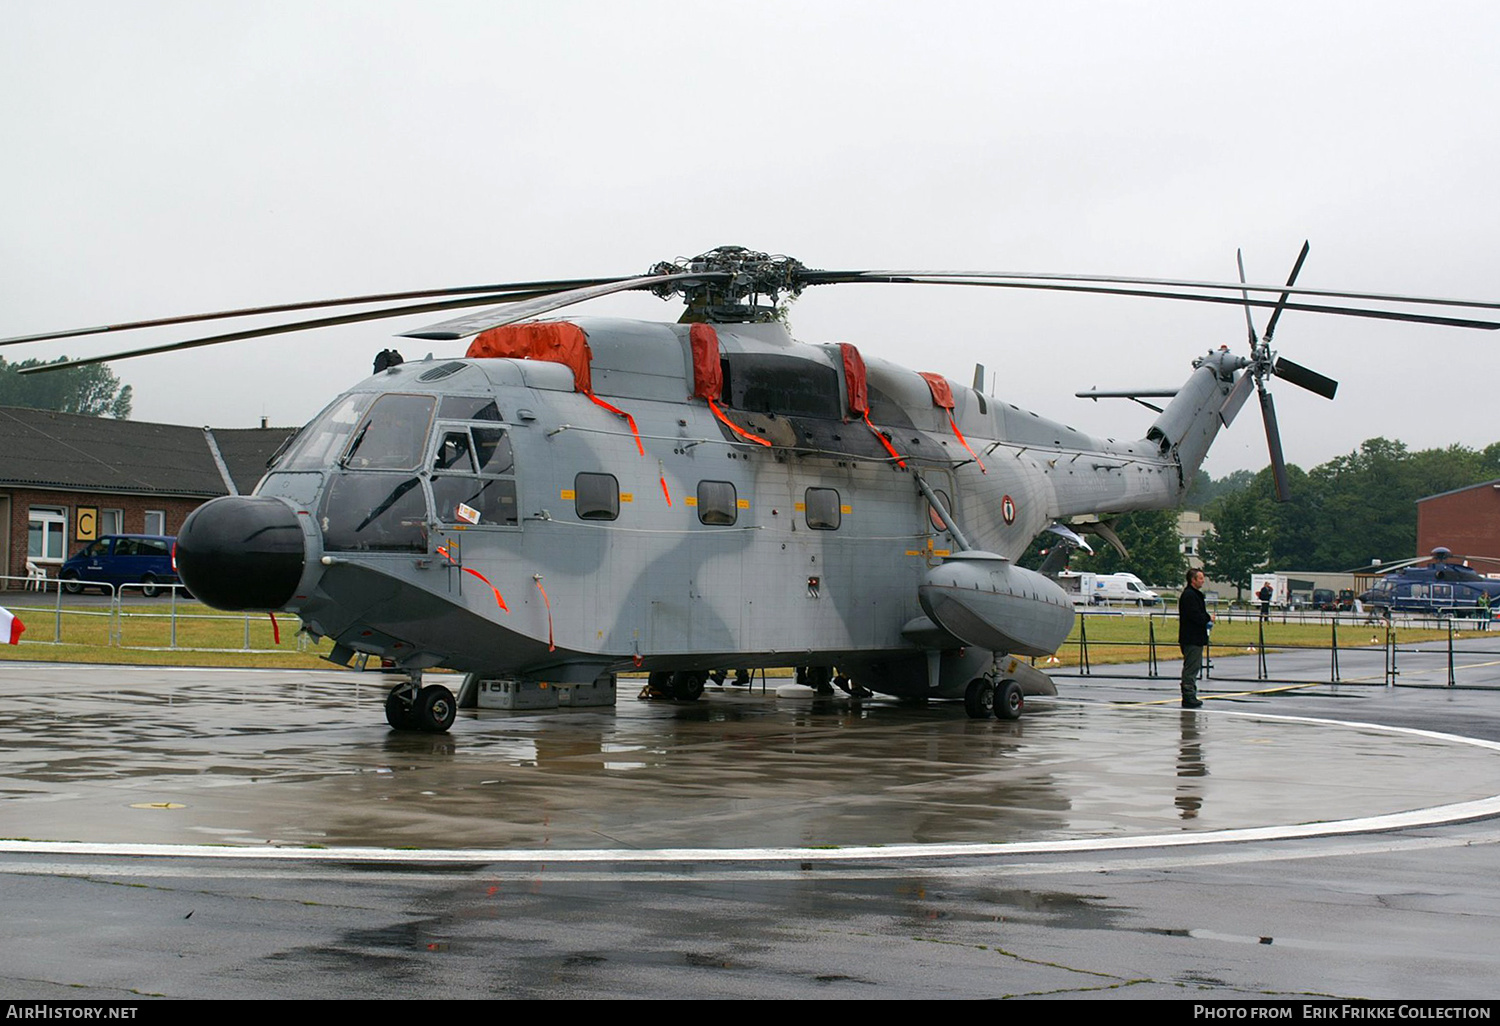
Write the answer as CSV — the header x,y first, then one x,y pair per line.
x,y
1434,586
577,497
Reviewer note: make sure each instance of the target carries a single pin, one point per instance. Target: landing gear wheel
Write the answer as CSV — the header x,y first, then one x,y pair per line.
x,y
71,584
979,699
1010,701
149,587
687,685
434,709
399,708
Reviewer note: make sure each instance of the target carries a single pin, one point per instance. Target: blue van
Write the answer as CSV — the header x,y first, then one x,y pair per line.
x,y
144,559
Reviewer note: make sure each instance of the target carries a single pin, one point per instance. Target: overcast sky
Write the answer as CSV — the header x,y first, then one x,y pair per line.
x,y
165,158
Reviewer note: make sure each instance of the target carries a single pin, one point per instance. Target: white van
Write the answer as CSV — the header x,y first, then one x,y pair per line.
x,y
1124,588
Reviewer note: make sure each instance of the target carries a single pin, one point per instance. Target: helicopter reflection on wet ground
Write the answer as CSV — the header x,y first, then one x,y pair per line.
x,y
302,758
225,761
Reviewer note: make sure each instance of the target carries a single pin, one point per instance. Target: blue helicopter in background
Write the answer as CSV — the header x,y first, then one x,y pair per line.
x,y
1434,585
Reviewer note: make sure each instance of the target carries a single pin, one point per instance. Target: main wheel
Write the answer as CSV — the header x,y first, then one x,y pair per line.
x,y
434,709
1009,702
398,711
71,584
149,587
979,699
687,685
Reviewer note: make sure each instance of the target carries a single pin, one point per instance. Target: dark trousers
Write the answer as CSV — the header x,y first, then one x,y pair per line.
x,y
1192,665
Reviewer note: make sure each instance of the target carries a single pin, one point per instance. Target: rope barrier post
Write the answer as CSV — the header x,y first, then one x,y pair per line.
x,y
1334,669
1083,645
1451,681
1390,654
1151,646
1260,659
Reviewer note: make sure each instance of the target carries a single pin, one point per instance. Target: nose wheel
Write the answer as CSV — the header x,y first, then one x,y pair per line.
x,y
429,710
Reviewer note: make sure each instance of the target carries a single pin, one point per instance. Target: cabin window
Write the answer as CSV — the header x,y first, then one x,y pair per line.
x,y
822,509
717,503
393,435
932,514
374,513
596,497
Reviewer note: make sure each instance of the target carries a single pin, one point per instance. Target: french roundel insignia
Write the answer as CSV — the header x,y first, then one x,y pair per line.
x,y
1008,509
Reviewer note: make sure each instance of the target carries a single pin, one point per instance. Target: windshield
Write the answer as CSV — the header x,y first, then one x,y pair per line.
x,y
392,436
320,443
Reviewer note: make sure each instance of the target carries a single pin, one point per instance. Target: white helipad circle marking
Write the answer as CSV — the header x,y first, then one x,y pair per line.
x,y
1432,816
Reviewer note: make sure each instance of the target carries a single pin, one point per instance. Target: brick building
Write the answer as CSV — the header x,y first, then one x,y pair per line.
x,y
1465,520
66,479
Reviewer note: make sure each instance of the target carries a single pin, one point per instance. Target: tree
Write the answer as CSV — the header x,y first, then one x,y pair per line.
x,y
1239,543
93,391
1151,538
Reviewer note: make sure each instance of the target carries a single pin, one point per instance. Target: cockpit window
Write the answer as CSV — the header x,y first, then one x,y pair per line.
x,y
492,447
374,513
392,435
466,485
321,442
467,407
453,453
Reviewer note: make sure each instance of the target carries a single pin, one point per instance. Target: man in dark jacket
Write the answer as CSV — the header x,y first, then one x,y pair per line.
x,y
1193,621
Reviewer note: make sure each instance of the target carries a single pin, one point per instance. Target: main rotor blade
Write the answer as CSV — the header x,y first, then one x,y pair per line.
x,y
1273,443
473,324
1239,258
312,304
1344,311
932,277
281,329
1304,378
1290,281
1236,398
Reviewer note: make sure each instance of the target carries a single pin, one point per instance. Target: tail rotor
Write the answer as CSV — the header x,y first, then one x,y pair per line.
x,y
1264,364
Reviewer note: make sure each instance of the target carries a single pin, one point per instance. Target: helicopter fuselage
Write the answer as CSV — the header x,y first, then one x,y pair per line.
x,y
488,515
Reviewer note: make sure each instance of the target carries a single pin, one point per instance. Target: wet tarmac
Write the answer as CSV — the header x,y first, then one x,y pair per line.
x,y
262,833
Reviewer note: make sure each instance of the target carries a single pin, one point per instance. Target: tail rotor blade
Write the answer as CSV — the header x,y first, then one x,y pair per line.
x,y
1273,443
1305,378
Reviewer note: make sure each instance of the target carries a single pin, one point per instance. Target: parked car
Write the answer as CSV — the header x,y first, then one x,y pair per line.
x,y
116,559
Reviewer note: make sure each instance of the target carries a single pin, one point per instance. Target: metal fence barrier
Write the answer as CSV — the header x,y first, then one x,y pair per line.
x,y
132,626
1385,633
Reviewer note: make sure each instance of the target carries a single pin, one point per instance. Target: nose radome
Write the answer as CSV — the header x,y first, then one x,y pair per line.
x,y
241,553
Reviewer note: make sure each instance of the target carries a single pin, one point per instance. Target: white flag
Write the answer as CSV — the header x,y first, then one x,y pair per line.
x,y
10,628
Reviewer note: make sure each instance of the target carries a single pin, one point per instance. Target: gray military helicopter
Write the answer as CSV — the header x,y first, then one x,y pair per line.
x,y
575,498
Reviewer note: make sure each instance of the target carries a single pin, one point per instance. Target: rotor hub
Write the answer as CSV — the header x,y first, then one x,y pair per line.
x,y
751,291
